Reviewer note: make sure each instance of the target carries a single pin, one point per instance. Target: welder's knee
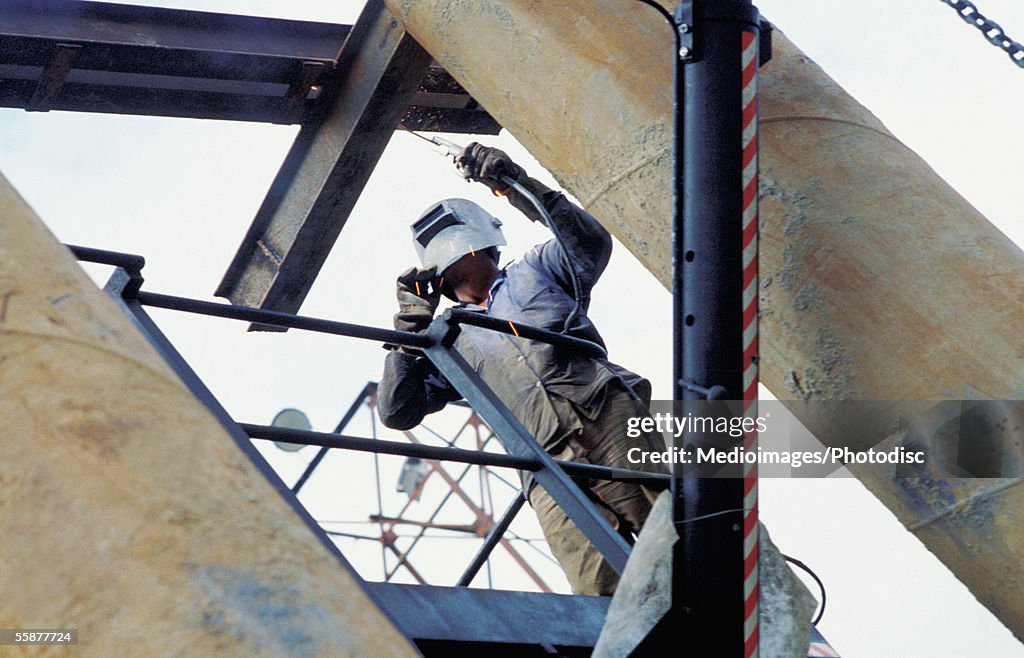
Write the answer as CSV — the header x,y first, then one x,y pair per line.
x,y
585,568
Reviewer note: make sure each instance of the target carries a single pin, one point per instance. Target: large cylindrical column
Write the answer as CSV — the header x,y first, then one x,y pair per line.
x,y
127,510
878,280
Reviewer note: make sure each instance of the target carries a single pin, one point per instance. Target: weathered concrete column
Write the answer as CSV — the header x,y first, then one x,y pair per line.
x,y
879,281
127,511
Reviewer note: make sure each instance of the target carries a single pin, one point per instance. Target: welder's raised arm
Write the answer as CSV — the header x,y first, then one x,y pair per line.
x,y
587,244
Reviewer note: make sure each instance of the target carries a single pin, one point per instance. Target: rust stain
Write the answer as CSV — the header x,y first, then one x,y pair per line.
x,y
3,305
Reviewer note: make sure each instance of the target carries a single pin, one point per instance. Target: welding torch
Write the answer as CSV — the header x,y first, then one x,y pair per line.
x,y
450,149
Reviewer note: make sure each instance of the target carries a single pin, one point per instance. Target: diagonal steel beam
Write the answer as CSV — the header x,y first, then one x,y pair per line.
x,y
519,442
379,70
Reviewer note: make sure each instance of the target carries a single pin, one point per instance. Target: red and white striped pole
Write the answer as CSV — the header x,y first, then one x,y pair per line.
x,y
749,62
715,595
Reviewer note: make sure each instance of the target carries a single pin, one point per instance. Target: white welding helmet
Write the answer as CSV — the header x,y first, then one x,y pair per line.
x,y
452,228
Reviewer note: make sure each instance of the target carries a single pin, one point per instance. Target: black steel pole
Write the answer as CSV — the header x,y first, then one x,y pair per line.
x,y
342,442
708,588
279,319
342,424
131,263
491,541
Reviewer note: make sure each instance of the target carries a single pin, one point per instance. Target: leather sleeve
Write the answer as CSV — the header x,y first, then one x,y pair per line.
x,y
410,389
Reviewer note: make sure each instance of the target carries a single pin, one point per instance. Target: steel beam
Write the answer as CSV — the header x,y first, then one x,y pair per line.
x,y
122,59
172,31
518,442
462,614
142,60
518,461
379,70
53,76
494,536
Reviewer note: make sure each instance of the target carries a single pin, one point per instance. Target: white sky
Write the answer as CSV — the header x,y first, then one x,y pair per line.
x,y
183,192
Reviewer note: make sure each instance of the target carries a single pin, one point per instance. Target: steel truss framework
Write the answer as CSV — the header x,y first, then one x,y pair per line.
x,y
347,87
492,531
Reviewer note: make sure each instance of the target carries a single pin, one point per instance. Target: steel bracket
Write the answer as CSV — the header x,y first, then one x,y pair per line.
x,y
714,392
764,54
444,330
684,24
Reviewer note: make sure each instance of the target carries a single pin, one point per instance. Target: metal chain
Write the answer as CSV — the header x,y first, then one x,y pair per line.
x,y
992,31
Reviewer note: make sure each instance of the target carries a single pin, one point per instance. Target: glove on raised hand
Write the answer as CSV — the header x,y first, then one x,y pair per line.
x,y
416,302
482,163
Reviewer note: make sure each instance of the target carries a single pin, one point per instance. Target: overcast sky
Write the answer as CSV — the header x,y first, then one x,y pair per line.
x,y
183,192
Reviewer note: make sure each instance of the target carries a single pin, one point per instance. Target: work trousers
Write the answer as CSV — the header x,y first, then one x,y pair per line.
x,y
626,505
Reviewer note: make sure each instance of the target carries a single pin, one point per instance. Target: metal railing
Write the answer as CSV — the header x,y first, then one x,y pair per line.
x,y
524,452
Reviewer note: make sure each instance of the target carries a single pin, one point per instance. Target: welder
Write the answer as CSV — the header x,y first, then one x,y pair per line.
x,y
577,407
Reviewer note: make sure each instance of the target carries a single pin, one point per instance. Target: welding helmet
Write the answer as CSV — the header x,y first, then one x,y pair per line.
x,y
452,228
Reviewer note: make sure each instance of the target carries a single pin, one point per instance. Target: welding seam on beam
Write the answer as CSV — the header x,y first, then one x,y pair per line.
x,y
811,117
962,504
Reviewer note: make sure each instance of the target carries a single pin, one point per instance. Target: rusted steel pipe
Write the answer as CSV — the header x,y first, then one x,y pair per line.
x,y
127,510
878,280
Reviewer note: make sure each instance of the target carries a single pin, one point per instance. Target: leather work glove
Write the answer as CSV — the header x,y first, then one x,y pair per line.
x,y
416,301
486,164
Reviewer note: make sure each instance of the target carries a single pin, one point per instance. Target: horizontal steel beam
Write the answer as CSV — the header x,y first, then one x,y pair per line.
x,y
462,614
328,165
439,453
283,320
167,62
123,59
169,30
133,263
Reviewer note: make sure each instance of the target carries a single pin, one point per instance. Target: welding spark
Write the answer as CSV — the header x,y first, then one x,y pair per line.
x,y
513,327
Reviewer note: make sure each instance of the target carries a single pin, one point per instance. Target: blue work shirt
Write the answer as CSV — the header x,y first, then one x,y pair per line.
x,y
547,388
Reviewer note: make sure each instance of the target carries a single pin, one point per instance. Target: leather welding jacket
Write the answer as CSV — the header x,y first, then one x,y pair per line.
x,y
545,387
